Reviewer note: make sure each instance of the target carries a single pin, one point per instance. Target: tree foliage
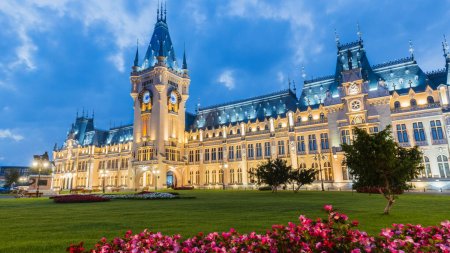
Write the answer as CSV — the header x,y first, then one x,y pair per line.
x,y
377,161
302,177
11,176
273,173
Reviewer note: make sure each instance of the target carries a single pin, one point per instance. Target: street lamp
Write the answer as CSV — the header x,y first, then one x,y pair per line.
x,y
156,176
222,167
103,175
40,164
319,158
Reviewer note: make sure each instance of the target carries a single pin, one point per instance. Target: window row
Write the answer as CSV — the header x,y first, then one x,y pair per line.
x,y
419,135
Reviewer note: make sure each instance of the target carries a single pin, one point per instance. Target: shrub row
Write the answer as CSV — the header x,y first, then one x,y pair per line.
x,y
334,234
78,198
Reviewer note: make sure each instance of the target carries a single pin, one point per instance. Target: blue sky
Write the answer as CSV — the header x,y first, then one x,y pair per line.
x,y
57,57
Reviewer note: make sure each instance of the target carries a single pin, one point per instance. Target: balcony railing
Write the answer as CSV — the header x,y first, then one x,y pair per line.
x,y
416,108
439,142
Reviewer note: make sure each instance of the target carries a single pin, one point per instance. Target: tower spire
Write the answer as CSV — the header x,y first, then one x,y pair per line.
x,y
336,38
445,48
136,57
289,83
161,12
157,13
411,49
358,32
165,11
294,89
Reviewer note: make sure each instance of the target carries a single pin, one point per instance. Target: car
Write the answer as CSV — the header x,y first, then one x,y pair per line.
x,y
4,189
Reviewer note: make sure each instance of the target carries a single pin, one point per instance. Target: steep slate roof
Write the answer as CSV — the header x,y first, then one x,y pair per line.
x,y
160,35
85,134
245,110
352,63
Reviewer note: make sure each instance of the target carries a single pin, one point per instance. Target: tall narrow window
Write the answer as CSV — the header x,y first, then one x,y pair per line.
x,y
402,134
328,172
197,177
396,104
419,133
312,143
207,177
238,152
207,154
444,169
267,149
214,177
220,153
301,144
250,151
239,176
430,100
324,141
197,155
436,130
281,148
232,176
426,172
345,136
413,102
258,150
213,154
231,153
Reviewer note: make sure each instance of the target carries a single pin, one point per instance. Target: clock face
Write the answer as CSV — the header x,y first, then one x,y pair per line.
x,y
173,98
146,98
353,89
355,105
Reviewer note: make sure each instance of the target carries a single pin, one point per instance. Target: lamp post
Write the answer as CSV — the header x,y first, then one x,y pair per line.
x,y
39,164
223,166
319,157
103,175
156,176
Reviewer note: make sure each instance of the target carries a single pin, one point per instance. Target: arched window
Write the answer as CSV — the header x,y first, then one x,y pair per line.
x,y
315,166
191,177
345,173
231,132
239,176
238,131
207,177
322,116
426,172
396,104
328,172
207,136
220,133
214,135
249,129
266,127
444,169
251,176
302,166
258,128
310,117
232,176
214,177
430,100
299,119
280,125
197,177
413,102
221,176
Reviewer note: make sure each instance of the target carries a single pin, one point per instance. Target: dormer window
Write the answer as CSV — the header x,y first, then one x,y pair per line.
x,y
430,100
396,104
413,103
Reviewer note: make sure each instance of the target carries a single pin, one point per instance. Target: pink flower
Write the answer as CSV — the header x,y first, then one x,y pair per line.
x,y
328,208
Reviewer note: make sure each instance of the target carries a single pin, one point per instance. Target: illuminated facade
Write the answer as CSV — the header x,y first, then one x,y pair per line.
x,y
218,145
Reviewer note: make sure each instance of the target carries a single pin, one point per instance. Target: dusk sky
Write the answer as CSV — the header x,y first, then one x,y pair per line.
x,y
57,57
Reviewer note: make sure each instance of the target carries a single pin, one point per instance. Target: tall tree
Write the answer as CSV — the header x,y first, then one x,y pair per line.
x,y
377,161
302,177
11,176
273,173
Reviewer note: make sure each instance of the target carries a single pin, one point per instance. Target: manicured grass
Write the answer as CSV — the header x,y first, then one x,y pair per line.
x,y
39,225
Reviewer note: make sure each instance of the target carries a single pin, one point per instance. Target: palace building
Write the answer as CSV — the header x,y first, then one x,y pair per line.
x,y
217,146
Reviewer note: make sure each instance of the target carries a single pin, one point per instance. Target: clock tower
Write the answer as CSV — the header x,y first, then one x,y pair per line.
x,y
160,89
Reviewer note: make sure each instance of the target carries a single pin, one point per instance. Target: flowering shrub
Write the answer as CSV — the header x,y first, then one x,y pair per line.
x,y
334,234
151,195
78,198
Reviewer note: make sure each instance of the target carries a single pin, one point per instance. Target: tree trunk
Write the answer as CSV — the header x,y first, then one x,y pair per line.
x,y
274,189
298,188
390,203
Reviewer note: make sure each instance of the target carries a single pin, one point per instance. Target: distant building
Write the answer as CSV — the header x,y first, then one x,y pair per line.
x,y
23,171
220,144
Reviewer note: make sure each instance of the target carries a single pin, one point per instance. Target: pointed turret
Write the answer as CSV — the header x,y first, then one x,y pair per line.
x,y
136,58
411,49
184,66
161,57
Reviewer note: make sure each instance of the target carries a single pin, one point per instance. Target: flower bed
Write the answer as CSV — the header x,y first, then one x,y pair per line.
x,y
334,234
150,195
78,198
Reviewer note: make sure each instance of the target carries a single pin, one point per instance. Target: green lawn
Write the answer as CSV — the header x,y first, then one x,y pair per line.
x,y
39,225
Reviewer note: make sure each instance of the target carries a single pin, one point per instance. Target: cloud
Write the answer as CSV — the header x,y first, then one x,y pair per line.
x,y
299,17
8,134
280,77
226,79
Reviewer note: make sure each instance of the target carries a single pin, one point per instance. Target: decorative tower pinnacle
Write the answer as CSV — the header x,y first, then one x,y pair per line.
x,y
136,57
411,49
336,38
445,48
184,66
358,32
303,72
161,57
